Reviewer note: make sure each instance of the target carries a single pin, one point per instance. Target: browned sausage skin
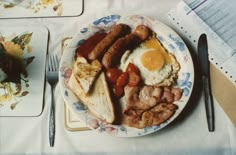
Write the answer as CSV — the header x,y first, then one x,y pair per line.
x,y
113,55
129,42
116,32
142,32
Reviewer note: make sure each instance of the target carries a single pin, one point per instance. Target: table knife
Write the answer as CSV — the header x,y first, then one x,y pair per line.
x,y
205,73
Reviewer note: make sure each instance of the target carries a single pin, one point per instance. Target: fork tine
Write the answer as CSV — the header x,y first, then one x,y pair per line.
x,y
57,62
53,63
49,64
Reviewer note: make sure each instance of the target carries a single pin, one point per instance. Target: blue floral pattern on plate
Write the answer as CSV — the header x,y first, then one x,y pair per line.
x,y
185,83
180,44
169,39
79,106
107,20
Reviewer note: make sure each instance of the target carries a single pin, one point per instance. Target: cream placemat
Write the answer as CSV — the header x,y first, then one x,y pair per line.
x,y
41,8
224,92
72,122
27,98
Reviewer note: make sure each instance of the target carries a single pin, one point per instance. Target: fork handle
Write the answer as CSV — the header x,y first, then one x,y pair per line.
x,y
52,120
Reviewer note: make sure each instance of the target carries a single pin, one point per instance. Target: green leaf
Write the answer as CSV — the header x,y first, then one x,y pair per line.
x,y
9,5
22,40
13,105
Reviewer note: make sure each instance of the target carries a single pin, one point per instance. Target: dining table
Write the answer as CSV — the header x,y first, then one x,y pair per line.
x,y
187,135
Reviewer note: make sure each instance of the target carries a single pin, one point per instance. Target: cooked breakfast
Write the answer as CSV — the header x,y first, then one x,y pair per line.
x,y
131,66
149,105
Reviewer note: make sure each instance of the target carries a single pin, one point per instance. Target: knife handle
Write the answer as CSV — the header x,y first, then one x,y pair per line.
x,y
208,103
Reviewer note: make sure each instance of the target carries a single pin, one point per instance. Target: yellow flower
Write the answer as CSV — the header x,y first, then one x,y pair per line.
x,y
12,48
46,2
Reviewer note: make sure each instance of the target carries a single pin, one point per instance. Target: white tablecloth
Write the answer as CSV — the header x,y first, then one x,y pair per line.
x,y
187,135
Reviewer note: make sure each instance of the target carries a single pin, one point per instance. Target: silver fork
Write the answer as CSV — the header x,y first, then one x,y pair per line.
x,y
52,78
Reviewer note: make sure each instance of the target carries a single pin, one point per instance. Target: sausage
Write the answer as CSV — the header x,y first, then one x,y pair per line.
x,y
116,32
142,32
84,49
113,55
129,42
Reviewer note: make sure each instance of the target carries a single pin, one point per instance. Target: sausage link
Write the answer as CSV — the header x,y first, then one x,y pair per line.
x,y
116,32
129,42
142,31
113,55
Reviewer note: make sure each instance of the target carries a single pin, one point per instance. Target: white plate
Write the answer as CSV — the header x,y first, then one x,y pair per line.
x,y
32,103
35,8
168,38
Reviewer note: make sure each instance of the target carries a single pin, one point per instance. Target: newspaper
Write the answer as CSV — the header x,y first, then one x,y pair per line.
x,y
217,20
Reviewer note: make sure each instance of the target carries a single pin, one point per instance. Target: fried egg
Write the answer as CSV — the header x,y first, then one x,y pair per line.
x,y
156,65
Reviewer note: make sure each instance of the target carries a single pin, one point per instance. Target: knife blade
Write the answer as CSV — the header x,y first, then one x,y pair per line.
x,y
205,73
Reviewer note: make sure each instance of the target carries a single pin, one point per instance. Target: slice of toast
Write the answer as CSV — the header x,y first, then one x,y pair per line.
x,y
86,73
98,99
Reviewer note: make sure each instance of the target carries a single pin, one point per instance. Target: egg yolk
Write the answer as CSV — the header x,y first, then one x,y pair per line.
x,y
152,60
155,59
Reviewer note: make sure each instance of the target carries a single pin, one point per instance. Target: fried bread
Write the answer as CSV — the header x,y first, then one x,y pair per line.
x,y
98,99
86,73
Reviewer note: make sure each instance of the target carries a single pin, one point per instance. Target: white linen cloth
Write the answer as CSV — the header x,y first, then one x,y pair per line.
x,y
187,135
